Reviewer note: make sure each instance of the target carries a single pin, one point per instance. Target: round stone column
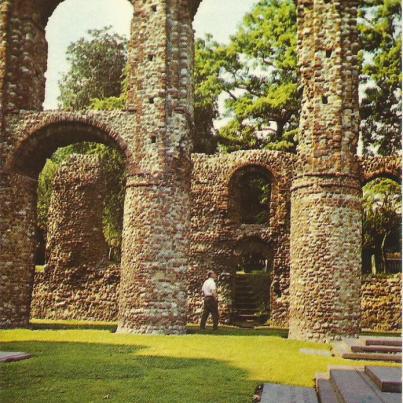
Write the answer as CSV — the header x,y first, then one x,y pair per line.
x,y
152,297
17,247
325,203
325,257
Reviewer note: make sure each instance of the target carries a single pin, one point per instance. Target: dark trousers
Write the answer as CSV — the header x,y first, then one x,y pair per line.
x,y
210,306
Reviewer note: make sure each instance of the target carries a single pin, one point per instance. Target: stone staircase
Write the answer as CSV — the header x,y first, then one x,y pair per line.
x,y
343,385
246,305
370,348
360,385
369,384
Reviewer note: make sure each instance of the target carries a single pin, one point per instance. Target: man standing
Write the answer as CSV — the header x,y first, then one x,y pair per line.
x,y
209,290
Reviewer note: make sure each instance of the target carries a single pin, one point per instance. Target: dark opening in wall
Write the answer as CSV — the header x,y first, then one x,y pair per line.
x,y
382,228
250,194
254,255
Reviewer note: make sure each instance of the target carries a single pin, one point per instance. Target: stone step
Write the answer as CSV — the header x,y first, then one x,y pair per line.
x,y
247,317
325,389
384,342
372,357
273,393
11,356
376,349
248,311
351,387
388,379
246,306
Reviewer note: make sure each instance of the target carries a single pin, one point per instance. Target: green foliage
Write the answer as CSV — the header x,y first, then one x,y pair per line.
x,y
380,31
45,187
382,204
108,104
257,71
97,67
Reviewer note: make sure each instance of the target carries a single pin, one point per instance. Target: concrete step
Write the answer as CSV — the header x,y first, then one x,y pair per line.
x,y
388,379
273,393
384,342
372,357
376,349
325,389
385,397
351,387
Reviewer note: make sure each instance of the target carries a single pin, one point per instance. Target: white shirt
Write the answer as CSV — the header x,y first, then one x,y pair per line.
x,y
209,288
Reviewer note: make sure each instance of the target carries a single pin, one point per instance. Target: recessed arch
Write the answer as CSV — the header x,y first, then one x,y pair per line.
x,y
250,190
41,141
388,167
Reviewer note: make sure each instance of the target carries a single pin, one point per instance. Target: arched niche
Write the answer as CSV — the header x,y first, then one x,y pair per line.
x,y
250,191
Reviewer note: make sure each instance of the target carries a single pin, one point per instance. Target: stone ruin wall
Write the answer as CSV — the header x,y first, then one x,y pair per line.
x,y
215,241
217,237
78,281
381,302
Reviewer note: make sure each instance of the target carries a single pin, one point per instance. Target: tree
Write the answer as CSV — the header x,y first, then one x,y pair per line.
x,y
380,31
257,71
97,69
382,204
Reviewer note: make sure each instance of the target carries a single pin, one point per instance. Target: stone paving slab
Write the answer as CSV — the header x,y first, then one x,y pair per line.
x,y
11,356
313,351
273,393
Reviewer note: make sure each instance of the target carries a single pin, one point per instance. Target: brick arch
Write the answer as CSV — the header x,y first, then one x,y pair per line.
x,y
42,140
381,167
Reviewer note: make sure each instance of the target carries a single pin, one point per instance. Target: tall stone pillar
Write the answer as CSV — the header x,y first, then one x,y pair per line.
x,y
325,206
157,208
17,246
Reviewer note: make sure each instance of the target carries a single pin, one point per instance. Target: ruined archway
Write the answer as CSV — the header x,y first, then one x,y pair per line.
x,y
41,141
23,167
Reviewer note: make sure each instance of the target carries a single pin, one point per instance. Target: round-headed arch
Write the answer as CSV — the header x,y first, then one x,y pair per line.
x,y
388,167
249,190
41,141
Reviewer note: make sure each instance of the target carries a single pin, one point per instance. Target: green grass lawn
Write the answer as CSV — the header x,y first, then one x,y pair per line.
x,y
95,365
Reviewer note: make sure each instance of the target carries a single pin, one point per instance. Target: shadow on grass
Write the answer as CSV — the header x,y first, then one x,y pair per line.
x,y
191,329
60,325
77,372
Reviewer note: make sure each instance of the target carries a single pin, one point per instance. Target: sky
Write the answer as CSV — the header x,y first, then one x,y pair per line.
x,y
218,17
